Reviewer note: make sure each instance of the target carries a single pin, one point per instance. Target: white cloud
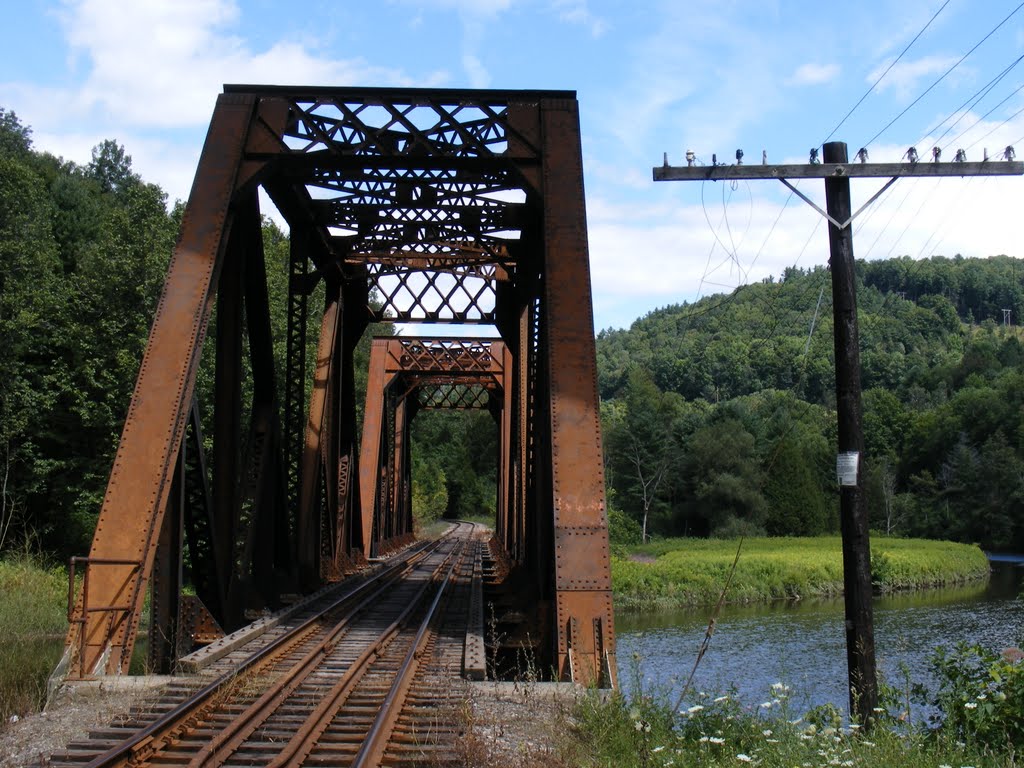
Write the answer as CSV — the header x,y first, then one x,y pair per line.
x,y
813,74
905,76
162,63
475,71
578,12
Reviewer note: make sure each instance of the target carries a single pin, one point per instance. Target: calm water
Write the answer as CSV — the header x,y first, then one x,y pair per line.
x,y
803,644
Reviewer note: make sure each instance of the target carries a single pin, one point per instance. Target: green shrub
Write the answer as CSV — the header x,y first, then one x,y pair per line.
x,y
980,698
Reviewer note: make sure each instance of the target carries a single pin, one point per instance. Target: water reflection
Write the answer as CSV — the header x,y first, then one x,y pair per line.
x,y
803,643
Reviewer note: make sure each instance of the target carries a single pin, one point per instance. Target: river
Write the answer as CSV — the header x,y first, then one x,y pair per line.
x,y
802,644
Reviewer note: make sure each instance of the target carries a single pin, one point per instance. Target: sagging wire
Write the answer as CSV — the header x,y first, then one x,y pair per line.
x,y
732,254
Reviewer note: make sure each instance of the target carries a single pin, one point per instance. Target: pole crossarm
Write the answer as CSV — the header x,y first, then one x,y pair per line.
x,y
739,172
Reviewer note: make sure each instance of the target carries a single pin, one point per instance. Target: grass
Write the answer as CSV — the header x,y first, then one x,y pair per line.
x,y
33,623
674,573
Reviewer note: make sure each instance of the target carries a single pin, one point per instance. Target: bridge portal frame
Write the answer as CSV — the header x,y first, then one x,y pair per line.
x,y
453,206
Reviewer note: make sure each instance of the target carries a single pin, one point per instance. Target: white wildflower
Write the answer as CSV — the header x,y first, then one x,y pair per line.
x,y
694,709
971,705
717,740
657,749
766,732
744,758
720,699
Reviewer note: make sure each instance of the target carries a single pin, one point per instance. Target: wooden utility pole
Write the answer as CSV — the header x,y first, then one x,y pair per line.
x,y
853,512
837,171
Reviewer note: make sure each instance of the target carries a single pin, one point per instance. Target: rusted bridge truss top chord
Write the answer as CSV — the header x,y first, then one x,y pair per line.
x,y
405,205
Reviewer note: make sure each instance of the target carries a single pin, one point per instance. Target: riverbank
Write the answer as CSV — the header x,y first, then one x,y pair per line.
x,y
680,573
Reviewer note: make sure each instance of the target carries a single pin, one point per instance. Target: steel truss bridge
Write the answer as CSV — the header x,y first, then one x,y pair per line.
x,y
407,206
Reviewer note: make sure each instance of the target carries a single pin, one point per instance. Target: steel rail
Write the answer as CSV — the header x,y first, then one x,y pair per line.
x,y
307,735
372,751
148,740
225,743
228,741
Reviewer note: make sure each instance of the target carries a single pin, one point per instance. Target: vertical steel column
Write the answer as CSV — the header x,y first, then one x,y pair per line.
x,y
227,413
208,572
165,584
317,440
264,540
582,575
507,450
295,388
373,437
350,535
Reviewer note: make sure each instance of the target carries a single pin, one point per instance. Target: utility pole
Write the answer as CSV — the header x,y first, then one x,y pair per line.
x,y
837,171
853,512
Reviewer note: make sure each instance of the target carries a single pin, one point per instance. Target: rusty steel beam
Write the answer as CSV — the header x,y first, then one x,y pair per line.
x,y
582,572
139,488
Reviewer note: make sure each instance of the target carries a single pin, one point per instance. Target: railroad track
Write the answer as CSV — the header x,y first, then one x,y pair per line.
x,y
366,675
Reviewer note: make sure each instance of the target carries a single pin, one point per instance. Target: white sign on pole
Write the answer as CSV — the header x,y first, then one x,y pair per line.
x,y
846,468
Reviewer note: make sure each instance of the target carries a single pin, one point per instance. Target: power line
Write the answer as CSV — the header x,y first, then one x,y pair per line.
x,y
972,102
944,75
997,106
880,77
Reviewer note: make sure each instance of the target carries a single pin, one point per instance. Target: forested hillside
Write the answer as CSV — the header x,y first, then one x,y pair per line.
x,y
719,416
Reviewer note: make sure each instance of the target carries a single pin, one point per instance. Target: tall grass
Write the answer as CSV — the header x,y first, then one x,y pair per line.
x,y
686,572
645,732
33,622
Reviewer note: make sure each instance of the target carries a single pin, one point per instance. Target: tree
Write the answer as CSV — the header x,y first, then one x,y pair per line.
x,y
15,138
111,166
722,477
641,448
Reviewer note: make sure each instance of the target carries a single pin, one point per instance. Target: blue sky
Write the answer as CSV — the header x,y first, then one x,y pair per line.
x,y
651,76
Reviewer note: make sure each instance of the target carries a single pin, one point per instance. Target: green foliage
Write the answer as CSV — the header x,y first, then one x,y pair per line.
x,y
33,601
83,253
429,491
15,138
686,572
455,454
980,696
622,529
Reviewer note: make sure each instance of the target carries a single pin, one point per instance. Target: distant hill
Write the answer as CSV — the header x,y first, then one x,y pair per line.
x,y
727,404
